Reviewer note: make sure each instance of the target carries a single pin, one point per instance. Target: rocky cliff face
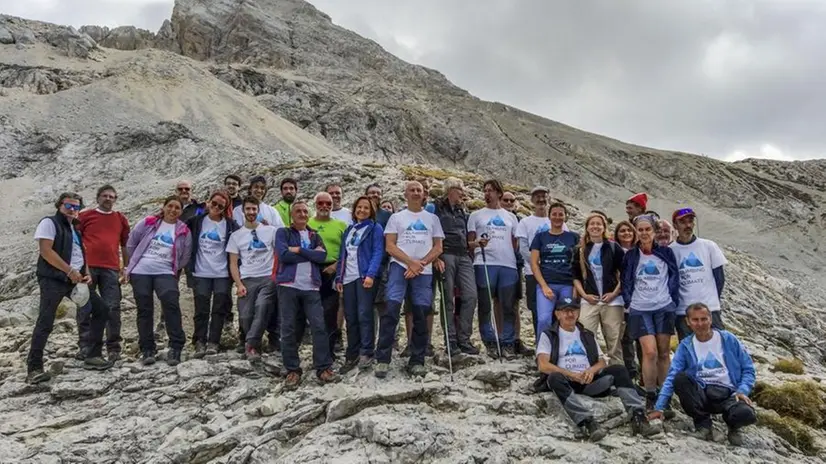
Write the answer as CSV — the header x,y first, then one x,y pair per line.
x,y
274,87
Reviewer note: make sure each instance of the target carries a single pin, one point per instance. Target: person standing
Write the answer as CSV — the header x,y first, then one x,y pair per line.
x,y
702,276
537,223
626,236
357,270
300,254
636,205
373,192
191,207
159,248
61,266
209,266
232,184
492,240
289,190
597,263
339,212
413,239
251,261
105,232
267,215
665,236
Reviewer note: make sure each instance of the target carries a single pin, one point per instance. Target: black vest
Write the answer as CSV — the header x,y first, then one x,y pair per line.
x,y
587,338
62,245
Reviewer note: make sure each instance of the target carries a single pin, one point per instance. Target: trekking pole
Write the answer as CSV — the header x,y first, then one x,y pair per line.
x,y
444,315
490,298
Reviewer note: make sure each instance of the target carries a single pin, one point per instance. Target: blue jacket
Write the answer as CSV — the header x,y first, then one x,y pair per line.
x,y
628,273
287,237
738,362
370,250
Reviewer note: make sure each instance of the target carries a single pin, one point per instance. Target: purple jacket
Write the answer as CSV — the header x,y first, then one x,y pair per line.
x,y
142,234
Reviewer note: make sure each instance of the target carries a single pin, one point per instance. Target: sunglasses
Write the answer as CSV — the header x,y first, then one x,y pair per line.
x,y
508,201
71,206
215,204
324,203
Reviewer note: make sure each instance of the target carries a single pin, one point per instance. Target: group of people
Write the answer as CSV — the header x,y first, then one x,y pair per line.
x,y
357,270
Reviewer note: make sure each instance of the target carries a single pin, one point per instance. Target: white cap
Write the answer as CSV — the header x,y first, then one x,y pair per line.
x,y
80,295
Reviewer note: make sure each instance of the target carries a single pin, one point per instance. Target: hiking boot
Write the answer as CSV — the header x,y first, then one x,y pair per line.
x,y
669,413
148,358
82,353
293,381
416,370
36,376
651,401
453,351
252,354
97,363
469,349
173,357
735,437
641,426
509,352
200,350
704,434
381,370
365,362
113,356
349,365
521,349
429,352
211,349
327,376
593,431
406,352
492,350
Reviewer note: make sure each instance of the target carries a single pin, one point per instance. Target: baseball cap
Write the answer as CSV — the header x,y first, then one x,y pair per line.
x,y
681,213
567,303
80,295
539,189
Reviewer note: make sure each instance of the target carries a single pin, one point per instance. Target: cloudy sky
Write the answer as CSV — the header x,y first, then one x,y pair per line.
x,y
725,78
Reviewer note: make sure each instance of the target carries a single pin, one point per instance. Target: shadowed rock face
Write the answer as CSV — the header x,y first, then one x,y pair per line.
x,y
274,88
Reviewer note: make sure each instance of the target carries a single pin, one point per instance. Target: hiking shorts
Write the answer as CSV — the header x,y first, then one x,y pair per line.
x,y
659,322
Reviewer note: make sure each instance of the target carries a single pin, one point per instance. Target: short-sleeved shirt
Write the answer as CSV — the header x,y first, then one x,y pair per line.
x,y
255,250
211,259
696,261
265,213
651,285
556,254
414,234
352,242
528,228
343,214
572,354
331,232
158,257
499,226
46,230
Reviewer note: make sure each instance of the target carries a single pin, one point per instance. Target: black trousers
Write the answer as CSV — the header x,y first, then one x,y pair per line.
x,y
701,403
211,301
329,305
631,351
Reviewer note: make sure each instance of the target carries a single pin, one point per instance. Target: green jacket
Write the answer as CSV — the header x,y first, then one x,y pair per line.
x,y
283,209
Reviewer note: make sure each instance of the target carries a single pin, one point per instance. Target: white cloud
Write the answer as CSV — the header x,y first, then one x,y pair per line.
x,y
765,151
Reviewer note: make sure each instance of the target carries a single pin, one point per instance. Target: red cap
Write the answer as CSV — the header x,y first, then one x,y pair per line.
x,y
640,199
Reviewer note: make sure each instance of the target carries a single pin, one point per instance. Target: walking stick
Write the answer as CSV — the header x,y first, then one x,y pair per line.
x,y
447,336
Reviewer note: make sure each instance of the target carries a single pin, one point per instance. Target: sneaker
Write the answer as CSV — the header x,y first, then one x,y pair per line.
x,y
349,365
704,434
327,376
417,370
509,352
200,350
113,356
406,352
593,431
293,381
97,363
148,358
735,437
381,370
365,362
429,352
82,353
37,376
211,349
469,349
173,357
641,426
252,354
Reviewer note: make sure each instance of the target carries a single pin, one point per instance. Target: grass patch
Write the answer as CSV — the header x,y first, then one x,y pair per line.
x,y
436,192
473,205
62,310
789,366
789,429
798,400
675,342
413,172
516,188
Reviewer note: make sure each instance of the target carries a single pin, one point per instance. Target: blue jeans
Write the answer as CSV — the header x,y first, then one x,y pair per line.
x,y
503,286
545,307
421,288
358,314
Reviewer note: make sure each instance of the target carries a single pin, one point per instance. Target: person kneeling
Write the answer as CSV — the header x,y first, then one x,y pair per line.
x,y
712,373
569,357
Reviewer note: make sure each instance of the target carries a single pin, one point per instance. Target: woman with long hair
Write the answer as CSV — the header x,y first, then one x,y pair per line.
x,y
159,247
651,292
209,267
625,235
357,269
597,263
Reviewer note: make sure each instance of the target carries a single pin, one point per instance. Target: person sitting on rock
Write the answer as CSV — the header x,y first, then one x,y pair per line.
x,y
572,363
300,252
712,373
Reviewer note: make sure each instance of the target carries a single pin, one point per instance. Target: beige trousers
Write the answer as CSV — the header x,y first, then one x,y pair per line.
x,y
612,322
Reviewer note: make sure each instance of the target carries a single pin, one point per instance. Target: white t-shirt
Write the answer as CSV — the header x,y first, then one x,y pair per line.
x,y
157,259
500,227
211,260
572,354
303,271
651,286
46,230
527,229
265,213
343,214
256,255
352,241
711,363
414,234
595,263
696,261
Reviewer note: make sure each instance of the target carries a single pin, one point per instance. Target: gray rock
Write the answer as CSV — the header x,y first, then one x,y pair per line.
x,y
496,378
5,36
72,43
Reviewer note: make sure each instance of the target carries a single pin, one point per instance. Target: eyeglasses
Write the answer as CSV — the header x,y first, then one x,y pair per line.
x,y
71,206
505,200
324,203
215,204
184,189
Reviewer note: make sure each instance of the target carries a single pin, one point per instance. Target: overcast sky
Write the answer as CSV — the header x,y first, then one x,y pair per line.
x,y
725,78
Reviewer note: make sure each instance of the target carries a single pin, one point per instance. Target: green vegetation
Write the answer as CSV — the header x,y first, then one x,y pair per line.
x,y
473,205
791,430
799,400
413,172
516,188
789,366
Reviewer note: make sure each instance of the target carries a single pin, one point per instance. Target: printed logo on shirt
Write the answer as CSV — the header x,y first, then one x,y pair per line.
x,y
711,362
558,248
259,218
212,235
305,244
649,268
256,244
690,261
596,260
164,239
356,240
418,225
543,228
496,221
575,349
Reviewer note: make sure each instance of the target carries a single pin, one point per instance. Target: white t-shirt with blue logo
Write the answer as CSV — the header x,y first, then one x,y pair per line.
x,y
572,354
351,242
256,251
157,259
46,230
265,213
414,234
303,271
595,263
711,363
696,261
211,260
499,225
527,229
651,285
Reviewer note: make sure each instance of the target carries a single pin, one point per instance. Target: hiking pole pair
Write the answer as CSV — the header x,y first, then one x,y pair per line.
x,y
446,327
490,298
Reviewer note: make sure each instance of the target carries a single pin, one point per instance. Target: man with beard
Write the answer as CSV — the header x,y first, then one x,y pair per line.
x,y
289,190
232,184
525,232
267,215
